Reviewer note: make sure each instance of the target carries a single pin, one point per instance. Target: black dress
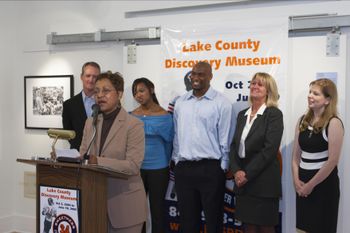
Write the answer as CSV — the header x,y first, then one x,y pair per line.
x,y
318,212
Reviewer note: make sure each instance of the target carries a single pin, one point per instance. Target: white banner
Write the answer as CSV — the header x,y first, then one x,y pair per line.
x,y
59,210
235,51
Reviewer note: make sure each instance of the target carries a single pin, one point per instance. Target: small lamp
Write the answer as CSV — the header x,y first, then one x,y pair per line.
x,y
59,134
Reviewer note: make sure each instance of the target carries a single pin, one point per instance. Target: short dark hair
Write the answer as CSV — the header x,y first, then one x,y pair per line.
x,y
90,63
204,64
149,86
116,79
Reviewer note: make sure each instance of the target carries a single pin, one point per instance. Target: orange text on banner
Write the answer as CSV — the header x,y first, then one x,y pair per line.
x,y
229,61
250,61
173,63
219,45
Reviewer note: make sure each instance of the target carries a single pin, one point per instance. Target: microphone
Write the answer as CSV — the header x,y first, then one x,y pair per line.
x,y
95,111
61,134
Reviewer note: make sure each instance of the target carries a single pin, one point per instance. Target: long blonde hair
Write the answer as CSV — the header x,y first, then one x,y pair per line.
x,y
329,90
271,88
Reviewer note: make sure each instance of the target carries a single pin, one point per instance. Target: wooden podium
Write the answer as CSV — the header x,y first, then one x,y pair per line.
x,y
89,179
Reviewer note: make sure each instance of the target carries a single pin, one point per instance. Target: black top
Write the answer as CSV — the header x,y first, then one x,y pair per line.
x,y
312,142
108,120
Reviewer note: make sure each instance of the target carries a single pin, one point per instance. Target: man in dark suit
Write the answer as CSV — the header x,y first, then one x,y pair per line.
x,y
78,108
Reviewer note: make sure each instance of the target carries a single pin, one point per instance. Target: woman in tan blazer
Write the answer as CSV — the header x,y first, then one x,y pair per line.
x,y
119,144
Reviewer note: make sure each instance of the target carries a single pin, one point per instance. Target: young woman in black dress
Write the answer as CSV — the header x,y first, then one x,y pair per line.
x,y
317,148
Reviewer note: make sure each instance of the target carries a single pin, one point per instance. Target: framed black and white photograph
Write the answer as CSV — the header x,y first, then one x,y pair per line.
x,y
43,99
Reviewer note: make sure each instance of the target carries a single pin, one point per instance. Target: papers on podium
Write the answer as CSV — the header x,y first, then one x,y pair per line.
x,y
68,155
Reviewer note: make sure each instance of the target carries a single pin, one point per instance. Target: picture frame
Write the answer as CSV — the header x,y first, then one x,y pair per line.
x,y
43,100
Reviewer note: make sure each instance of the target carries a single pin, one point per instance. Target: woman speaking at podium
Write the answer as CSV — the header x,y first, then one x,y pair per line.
x,y
120,145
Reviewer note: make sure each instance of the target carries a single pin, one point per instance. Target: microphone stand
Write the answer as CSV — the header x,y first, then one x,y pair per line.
x,y
95,111
87,154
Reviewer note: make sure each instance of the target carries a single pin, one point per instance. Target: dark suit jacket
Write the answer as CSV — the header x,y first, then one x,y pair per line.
x,y
123,151
261,164
74,117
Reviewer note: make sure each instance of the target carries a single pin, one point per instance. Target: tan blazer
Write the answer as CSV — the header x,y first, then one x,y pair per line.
x,y
123,151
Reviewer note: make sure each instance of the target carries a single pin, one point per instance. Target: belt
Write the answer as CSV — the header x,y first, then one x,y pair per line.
x,y
200,161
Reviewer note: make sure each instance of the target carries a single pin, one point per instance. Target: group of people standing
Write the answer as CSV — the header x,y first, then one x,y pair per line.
x,y
199,140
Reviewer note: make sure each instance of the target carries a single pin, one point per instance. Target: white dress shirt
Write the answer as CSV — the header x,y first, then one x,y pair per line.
x,y
88,102
203,128
246,129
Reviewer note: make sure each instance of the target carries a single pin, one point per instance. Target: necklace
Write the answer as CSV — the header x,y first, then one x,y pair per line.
x,y
144,114
311,126
311,130
148,111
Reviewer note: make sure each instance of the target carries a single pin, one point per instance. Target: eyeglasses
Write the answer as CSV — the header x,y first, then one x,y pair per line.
x,y
103,92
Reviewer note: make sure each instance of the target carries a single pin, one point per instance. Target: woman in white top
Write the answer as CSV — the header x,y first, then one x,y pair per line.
x,y
253,157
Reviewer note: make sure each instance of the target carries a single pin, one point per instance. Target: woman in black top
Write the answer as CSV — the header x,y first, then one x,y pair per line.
x,y
317,147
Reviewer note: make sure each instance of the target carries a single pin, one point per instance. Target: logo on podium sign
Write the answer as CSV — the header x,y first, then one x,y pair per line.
x,y
64,224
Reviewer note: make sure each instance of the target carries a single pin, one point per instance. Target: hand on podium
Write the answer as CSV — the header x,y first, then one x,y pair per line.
x,y
53,155
92,159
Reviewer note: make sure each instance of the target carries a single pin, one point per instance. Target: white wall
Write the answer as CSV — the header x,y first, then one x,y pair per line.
x,y
7,155
303,68
24,52
345,184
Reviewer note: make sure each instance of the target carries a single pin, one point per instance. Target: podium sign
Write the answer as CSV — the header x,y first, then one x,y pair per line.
x,y
59,209
75,187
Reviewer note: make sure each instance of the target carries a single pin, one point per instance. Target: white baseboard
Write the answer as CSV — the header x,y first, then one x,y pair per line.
x,y
17,223
6,224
